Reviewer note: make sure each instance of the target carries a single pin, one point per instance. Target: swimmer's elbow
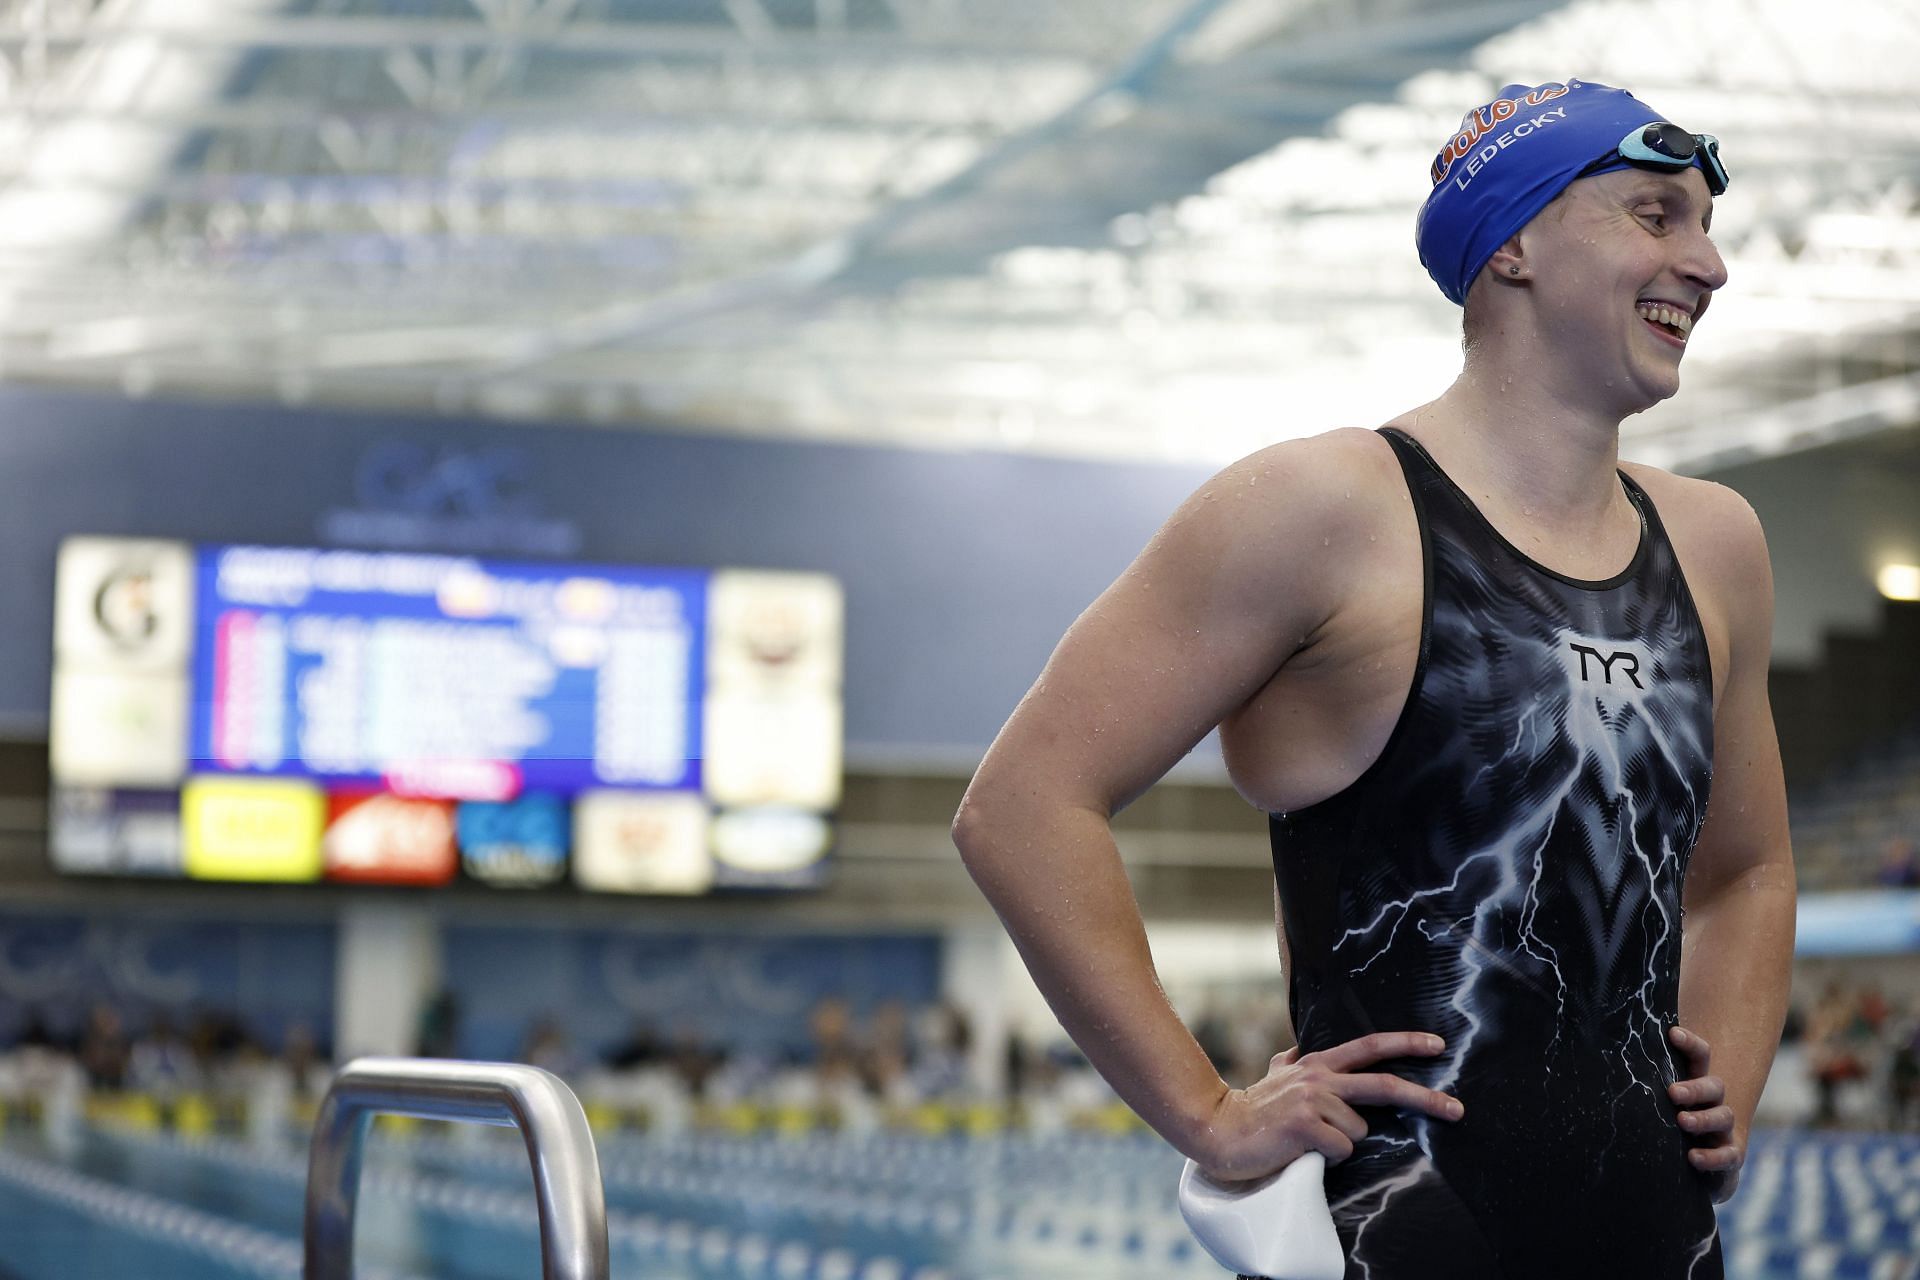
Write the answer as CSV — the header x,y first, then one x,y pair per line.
x,y
980,832
993,823
985,822
971,823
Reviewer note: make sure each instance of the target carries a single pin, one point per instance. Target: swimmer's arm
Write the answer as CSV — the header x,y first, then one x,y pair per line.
x,y
1737,949
1228,589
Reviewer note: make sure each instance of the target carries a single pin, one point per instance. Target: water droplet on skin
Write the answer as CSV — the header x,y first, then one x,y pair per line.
x,y
1326,542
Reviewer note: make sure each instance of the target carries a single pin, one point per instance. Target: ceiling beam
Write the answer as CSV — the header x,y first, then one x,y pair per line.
x,y
244,32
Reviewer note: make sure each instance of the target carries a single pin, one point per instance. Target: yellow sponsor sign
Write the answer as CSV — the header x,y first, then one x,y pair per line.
x,y
252,829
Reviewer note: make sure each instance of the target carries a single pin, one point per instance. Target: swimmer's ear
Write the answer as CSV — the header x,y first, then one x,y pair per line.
x,y
1509,262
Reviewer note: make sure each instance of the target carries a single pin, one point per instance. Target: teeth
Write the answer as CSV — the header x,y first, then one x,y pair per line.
x,y
1672,318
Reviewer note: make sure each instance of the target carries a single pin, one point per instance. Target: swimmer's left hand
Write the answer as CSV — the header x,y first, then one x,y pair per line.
x,y
1715,1151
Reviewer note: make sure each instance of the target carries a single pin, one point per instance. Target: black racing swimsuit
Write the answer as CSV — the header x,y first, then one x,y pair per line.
x,y
1507,874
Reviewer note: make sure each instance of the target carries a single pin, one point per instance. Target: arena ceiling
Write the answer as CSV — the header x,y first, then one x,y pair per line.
x,y
1122,228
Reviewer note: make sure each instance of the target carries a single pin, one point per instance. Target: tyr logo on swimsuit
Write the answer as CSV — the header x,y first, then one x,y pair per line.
x,y
1630,663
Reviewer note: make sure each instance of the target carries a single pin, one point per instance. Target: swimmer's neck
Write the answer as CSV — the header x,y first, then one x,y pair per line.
x,y
1517,441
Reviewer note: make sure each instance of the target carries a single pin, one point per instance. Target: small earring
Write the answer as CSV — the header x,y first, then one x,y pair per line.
x,y
1513,270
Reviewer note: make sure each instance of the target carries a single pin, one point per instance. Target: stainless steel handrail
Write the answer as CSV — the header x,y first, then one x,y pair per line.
x,y
566,1170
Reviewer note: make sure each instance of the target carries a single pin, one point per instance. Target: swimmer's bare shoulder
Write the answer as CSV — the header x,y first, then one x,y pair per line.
x,y
1248,570
1250,567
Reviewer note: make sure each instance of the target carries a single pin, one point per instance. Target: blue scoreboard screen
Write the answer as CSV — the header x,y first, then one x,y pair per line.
x,y
270,713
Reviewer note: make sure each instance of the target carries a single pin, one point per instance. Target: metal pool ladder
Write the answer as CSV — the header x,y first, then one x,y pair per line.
x,y
566,1171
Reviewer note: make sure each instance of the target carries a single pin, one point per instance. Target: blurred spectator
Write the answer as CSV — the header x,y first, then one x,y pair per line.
x,y
162,1063
104,1051
835,1057
546,1047
35,1033
306,1068
886,1055
1870,1011
1019,1065
641,1048
1215,1038
1903,1071
1899,864
439,1028
943,1054
1833,1056
217,1041
692,1059
830,1077
1828,1058
732,1077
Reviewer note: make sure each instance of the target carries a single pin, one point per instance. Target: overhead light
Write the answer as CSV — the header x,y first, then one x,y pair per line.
x,y
1899,581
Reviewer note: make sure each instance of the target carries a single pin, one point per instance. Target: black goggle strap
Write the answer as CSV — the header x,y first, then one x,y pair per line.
x,y
1710,164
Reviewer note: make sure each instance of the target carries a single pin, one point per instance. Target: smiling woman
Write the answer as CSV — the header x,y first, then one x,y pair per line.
x,y
1485,734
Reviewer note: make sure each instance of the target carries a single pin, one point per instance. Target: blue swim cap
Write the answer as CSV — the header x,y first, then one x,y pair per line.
x,y
1509,160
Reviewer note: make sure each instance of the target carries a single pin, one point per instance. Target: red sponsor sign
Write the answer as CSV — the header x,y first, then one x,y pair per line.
x,y
375,837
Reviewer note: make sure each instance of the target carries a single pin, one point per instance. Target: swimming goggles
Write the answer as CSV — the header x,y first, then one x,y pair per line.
x,y
1669,148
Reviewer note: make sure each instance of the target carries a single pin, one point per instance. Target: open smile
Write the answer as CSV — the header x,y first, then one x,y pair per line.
x,y
1670,323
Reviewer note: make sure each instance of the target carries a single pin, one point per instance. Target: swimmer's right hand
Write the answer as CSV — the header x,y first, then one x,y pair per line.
x,y
1306,1103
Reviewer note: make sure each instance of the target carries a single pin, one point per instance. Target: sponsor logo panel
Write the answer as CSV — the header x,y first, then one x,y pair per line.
x,y
626,842
517,843
252,829
375,837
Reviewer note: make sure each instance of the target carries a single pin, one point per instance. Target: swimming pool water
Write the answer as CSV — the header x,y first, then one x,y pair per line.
x,y
458,1205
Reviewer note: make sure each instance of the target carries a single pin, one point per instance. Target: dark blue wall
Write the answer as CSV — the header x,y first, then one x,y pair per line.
x,y
747,992
961,569
268,976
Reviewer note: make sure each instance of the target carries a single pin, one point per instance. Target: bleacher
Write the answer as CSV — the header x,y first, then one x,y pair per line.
x,y
1842,825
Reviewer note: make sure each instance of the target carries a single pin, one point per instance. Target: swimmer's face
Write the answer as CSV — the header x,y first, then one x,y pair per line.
x,y
1604,258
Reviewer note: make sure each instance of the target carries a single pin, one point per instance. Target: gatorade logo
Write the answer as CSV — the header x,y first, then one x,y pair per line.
x,y
1478,123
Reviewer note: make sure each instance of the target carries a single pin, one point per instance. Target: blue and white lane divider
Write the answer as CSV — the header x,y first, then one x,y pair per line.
x,y
135,1213
646,1234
